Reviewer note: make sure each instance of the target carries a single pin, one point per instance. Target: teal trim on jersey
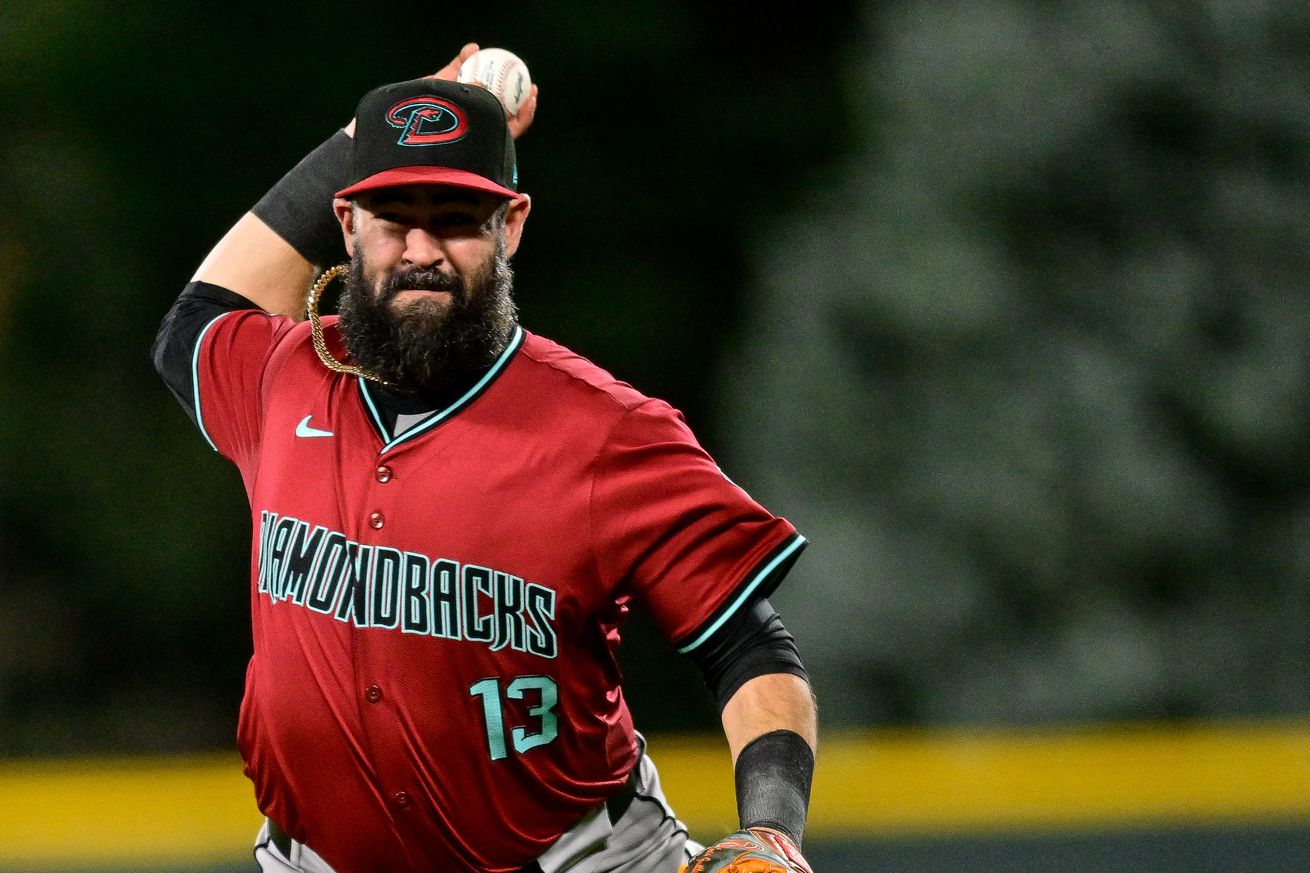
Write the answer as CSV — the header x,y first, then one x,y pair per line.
x,y
378,421
797,543
195,379
469,396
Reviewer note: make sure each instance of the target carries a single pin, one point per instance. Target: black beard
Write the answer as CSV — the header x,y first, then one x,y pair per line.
x,y
426,348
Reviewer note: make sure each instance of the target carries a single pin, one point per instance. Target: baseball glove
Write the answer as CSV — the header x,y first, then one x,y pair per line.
x,y
752,850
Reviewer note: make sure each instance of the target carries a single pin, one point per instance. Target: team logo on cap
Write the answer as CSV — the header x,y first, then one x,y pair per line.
x,y
427,121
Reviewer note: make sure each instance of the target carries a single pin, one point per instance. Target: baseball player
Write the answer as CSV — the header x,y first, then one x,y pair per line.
x,y
451,518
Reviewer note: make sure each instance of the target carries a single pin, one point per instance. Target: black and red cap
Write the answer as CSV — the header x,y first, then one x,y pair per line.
x,y
432,132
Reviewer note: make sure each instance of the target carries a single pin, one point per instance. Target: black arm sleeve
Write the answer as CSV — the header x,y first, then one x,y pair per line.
x,y
752,643
299,207
773,777
175,345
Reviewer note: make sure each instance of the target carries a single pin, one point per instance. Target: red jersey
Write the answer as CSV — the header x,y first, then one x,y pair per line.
x,y
435,614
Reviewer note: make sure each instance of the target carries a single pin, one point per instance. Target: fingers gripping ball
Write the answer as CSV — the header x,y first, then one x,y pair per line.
x,y
753,850
502,73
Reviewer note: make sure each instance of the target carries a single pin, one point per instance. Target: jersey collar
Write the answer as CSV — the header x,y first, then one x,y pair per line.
x,y
476,391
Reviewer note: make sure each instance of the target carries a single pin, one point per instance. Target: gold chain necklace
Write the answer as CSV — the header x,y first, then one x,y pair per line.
x,y
316,327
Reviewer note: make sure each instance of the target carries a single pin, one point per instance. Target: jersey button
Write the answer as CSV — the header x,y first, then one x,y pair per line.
x,y
401,798
372,694
376,520
383,473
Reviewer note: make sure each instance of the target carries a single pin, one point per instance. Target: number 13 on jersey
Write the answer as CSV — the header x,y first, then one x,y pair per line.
x,y
493,707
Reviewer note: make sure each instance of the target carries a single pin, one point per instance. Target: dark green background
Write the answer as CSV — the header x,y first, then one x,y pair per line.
x,y
136,133
1002,303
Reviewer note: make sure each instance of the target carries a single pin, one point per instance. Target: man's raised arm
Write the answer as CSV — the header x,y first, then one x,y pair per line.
x,y
270,256
268,259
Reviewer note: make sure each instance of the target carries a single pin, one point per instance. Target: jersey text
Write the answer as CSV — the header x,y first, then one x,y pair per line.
x,y
381,587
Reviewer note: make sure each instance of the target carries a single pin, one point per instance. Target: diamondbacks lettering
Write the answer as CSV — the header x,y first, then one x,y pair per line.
x,y
381,587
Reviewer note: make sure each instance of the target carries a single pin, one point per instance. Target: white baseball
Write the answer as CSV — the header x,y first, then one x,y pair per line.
x,y
501,72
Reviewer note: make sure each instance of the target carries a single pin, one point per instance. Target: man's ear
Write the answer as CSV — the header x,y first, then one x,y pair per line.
x,y
345,212
519,208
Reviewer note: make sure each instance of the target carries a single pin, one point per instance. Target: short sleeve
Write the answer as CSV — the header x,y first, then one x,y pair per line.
x,y
211,350
231,355
672,529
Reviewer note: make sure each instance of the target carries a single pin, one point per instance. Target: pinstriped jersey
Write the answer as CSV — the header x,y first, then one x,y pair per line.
x,y
436,613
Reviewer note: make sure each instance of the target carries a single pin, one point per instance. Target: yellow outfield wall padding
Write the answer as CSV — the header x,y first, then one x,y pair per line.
x,y
147,811
903,782
193,810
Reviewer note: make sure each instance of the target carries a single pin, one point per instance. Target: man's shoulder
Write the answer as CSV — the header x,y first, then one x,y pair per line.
x,y
295,346
564,371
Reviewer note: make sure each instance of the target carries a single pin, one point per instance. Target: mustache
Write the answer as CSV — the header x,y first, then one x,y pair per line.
x,y
421,279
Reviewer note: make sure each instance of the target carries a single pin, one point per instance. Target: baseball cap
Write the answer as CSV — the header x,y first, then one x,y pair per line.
x,y
431,132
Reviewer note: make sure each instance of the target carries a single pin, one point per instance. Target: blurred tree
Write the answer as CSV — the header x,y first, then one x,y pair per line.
x,y
1032,370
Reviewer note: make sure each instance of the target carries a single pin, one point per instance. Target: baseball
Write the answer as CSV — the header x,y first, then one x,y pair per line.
x,y
502,73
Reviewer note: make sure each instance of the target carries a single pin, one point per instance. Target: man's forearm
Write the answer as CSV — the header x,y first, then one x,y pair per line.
x,y
772,729
778,701
252,260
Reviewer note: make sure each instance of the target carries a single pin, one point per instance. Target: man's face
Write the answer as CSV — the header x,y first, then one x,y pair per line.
x,y
424,232
427,300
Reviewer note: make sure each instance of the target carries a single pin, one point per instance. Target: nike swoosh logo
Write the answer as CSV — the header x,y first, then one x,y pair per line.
x,y
304,430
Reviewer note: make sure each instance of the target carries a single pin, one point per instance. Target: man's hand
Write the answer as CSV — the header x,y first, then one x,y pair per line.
x,y
751,850
517,123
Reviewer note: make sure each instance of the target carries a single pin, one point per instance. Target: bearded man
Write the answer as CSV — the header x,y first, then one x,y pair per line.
x,y
451,517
